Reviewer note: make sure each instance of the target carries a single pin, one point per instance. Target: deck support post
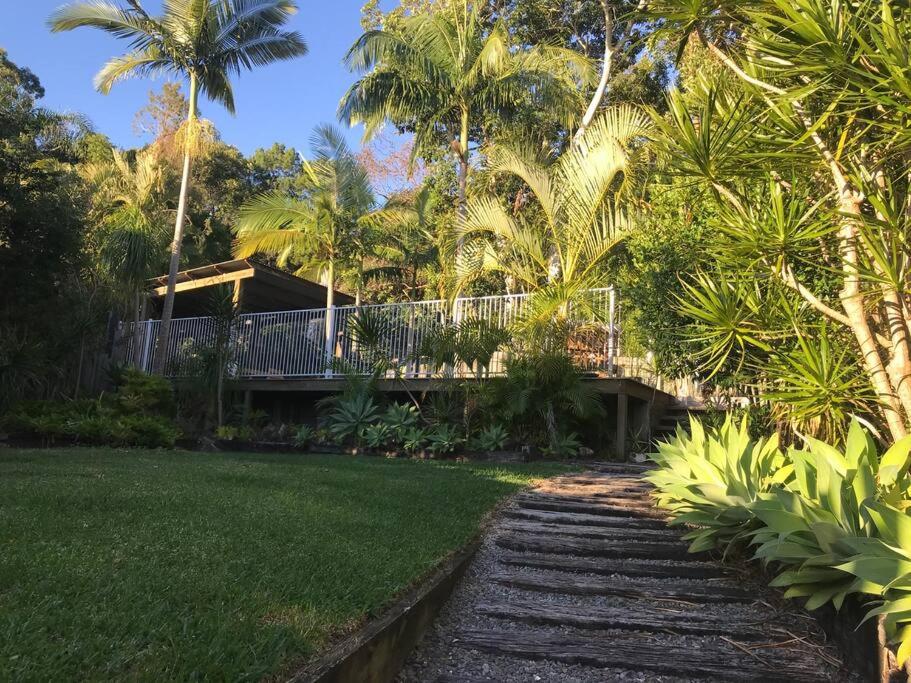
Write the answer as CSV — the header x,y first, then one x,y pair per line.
x,y
622,424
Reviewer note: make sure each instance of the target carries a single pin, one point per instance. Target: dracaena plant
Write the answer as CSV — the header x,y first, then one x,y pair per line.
x,y
813,101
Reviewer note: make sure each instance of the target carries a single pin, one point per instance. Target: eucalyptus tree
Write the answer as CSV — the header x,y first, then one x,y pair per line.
x,y
204,43
444,74
322,231
555,238
807,157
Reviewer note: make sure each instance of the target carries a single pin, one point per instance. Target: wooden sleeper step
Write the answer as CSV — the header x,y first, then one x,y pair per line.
x,y
583,547
613,618
624,567
708,592
638,654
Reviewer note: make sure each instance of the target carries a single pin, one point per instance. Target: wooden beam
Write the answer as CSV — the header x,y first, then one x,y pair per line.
x,y
187,285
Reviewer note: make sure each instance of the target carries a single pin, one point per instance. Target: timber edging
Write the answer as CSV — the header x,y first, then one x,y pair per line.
x,y
376,652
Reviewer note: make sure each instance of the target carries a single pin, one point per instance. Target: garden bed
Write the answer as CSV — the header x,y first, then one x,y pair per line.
x,y
174,565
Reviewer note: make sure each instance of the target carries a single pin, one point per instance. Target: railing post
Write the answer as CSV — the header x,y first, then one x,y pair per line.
x,y
330,340
146,345
612,333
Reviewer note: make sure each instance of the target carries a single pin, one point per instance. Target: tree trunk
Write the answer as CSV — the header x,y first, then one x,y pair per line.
x,y
220,400
137,336
330,316
605,76
164,329
463,165
853,303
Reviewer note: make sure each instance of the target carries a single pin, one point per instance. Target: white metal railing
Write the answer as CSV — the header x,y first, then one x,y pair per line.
x,y
295,344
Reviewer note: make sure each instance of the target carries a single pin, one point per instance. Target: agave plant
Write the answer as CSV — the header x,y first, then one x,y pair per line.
x,y
492,438
823,514
376,435
415,440
710,480
399,418
444,438
351,415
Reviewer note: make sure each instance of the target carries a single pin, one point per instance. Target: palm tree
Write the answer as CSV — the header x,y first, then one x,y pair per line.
x,y
132,233
443,72
203,42
582,211
319,233
324,230
406,243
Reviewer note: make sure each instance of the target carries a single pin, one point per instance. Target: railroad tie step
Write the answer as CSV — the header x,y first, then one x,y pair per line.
x,y
690,621
610,567
583,519
638,654
570,584
585,531
564,504
584,547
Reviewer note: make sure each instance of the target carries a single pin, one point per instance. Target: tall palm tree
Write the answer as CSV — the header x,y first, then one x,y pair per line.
x,y
582,210
441,73
203,42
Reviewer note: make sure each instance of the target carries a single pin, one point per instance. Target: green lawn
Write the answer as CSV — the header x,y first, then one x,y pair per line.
x,y
176,565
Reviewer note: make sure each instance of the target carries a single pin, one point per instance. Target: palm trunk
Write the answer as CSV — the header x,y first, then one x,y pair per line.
x,y
463,165
164,329
137,318
330,316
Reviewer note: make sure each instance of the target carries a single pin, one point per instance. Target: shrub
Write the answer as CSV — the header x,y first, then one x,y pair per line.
x,y
232,432
834,521
493,438
149,431
136,415
138,392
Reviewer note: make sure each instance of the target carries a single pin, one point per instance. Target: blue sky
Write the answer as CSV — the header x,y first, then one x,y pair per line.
x,y
280,103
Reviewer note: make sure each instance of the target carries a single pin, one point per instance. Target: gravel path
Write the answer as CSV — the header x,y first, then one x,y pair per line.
x,y
581,581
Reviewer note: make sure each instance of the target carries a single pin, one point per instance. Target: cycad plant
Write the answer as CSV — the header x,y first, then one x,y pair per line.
x,y
443,73
578,207
202,42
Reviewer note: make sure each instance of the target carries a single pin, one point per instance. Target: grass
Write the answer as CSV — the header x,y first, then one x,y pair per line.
x,y
172,565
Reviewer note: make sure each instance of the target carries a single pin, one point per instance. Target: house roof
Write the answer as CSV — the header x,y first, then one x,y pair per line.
x,y
263,287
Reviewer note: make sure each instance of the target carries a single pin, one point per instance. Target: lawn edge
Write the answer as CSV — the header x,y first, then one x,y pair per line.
x,y
376,652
